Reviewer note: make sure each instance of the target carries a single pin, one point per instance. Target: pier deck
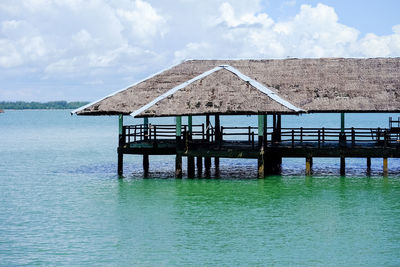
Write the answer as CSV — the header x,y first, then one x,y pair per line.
x,y
239,142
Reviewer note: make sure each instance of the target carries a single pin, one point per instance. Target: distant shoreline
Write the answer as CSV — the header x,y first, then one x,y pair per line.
x,y
52,105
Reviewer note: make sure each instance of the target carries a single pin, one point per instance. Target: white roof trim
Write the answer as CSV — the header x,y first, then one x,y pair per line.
x,y
136,83
173,90
262,88
243,77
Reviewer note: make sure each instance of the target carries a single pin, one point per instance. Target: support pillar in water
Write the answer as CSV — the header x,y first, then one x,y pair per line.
x,y
342,166
178,159
145,165
368,165
146,156
207,166
120,163
120,144
216,163
385,166
190,159
309,165
178,166
261,157
199,163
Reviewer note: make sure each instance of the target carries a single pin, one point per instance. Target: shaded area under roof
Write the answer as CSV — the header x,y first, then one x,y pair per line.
x,y
314,85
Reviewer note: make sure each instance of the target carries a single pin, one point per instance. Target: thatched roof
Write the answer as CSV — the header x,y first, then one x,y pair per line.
x,y
314,85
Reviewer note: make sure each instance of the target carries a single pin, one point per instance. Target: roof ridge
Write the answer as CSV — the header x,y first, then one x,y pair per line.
x,y
231,69
262,88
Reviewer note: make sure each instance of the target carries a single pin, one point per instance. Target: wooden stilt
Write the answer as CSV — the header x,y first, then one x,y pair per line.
x,y
190,166
217,129
121,141
216,163
145,165
342,166
261,165
120,163
178,166
199,163
207,166
368,165
308,165
385,166
207,128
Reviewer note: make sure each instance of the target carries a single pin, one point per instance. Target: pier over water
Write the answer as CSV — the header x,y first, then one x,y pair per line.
x,y
266,89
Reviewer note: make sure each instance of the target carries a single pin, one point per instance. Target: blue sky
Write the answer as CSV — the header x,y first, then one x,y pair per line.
x,y
85,49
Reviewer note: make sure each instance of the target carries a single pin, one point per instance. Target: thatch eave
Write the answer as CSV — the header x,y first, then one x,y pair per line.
x,y
326,85
244,113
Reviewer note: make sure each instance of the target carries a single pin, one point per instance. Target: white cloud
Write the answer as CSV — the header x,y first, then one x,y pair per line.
x,y
313,32
9,56
143,20
82,42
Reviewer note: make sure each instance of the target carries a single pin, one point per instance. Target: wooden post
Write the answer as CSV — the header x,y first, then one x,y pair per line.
x,y
368,165
146,128
178,166
342,166
146,156
279,128
178,157
261,165
145,165
342,122
261,158
120,144
385,166
190,163
190,124
216,162
217,128
208,128
207,160
308,165
190,166
207,166
199,163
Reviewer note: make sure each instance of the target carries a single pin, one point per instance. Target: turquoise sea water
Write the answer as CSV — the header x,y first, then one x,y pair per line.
x,y
61,203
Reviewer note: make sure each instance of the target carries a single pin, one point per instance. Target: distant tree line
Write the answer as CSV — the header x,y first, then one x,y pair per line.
x,y
39,105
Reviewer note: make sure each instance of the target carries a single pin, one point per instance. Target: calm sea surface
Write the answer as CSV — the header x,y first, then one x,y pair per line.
x,y
61,202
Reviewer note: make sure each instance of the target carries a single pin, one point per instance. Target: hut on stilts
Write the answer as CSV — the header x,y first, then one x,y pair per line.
x,y
257,87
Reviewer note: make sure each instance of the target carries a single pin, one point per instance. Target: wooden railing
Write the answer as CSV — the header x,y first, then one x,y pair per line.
x,y
288,136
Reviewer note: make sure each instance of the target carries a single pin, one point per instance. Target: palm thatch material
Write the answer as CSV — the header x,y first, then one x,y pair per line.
x,y
314,85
